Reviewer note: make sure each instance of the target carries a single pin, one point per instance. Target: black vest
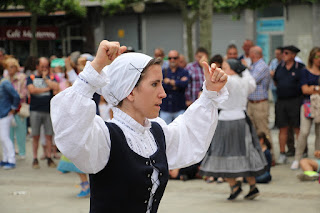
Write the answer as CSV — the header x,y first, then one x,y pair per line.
x,y
124,185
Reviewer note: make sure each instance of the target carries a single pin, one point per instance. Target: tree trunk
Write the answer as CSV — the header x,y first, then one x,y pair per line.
x,y
189,25
34,43
205,18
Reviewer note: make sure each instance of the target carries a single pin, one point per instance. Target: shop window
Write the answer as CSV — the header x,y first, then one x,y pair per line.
x,y
270,11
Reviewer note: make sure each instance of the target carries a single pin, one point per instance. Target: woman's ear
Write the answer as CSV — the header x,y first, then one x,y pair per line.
x,y
131,96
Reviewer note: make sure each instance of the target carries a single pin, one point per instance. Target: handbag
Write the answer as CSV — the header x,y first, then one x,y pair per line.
x,y
315,107
24,110
307,109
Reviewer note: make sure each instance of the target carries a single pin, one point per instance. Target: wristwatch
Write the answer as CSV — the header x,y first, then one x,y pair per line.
x,y
317,88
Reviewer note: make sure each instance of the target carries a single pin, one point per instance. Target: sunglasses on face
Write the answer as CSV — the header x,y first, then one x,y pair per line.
x,y
175,58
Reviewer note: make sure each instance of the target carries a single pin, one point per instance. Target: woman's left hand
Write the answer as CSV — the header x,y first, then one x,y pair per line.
x,y
215,77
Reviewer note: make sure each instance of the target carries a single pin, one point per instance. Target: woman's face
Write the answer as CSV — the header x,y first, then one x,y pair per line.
x,y
12,68
147,96
316,59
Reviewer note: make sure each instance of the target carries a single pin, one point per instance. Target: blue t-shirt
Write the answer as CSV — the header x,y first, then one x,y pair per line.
x,y
307,78
40,102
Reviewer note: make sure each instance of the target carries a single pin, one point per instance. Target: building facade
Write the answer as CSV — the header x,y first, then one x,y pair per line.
x,y
160,25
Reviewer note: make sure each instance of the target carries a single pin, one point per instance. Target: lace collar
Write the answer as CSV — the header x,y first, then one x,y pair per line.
x,y
129,122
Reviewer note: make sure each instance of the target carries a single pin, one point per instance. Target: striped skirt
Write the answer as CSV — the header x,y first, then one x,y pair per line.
x,y
234,151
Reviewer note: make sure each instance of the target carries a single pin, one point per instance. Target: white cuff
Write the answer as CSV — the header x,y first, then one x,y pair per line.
x,y
218,97
90,76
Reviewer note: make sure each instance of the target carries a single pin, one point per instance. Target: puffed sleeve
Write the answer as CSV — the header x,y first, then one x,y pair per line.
x,y
188,137
80,134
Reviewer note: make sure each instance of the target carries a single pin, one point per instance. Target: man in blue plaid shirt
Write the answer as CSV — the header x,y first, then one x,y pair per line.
x,y
258,105
196,76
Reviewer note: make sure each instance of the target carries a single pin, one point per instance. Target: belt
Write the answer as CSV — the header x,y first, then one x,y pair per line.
x,y
258,101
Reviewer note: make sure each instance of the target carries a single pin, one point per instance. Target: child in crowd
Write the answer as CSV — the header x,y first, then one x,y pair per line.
x,y
310,168
266,147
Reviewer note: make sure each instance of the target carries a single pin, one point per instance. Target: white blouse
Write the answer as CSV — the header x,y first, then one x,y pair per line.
x,y
239,89
84,138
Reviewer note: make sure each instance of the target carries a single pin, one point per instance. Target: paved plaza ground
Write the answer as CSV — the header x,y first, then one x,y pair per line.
x,y
25,190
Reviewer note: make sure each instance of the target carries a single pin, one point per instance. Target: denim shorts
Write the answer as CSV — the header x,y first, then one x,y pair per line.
x,y
40,118
318,161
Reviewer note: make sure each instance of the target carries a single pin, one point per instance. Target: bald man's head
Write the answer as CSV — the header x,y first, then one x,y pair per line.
x,y
255,53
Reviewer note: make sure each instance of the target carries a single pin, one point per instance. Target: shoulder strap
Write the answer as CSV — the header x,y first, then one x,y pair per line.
x,y
114,130
32,76
158,134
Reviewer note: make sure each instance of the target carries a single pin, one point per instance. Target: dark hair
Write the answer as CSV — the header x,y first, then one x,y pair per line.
x,y
312,54
232,46
216,59
202,50
1,69
30,63
236,66
279,48
266,141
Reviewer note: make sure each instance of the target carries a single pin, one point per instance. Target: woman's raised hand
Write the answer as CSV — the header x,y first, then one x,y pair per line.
x,y
215,77
106,53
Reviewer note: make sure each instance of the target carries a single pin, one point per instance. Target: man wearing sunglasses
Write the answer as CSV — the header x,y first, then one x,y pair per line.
x,y
175,82
287,80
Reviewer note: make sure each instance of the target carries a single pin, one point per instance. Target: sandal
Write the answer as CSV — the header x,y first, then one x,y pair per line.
x,y
85,192
234,194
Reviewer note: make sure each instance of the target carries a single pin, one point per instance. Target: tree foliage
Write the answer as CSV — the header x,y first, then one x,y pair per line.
x,y
45,7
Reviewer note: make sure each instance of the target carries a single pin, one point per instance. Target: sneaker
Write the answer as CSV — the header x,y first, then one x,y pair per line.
x,y
252,194
85,193
2,163
9,166
282,159
290,153
21,157
295,165
35,164
51,164
304,177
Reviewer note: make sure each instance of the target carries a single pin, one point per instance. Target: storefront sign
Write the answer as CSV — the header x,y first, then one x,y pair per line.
x,y
24,33
270,25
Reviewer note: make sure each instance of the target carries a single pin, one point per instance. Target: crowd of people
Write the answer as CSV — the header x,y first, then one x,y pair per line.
x,y
242,135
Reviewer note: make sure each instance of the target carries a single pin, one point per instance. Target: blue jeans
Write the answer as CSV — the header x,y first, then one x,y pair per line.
x,y
168,117
264,178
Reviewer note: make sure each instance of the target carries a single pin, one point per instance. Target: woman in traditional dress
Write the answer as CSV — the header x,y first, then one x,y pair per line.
x,y
235,150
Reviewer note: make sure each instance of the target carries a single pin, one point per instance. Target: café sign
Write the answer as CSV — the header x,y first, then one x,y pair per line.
x,y
24,33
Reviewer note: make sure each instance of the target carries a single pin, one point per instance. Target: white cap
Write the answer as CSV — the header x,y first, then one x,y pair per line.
x,y
124,73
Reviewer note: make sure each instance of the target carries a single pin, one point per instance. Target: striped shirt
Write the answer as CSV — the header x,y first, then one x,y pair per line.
x,y
196,79
260,72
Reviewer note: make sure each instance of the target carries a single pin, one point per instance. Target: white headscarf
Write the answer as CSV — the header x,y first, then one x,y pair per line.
x,y
124,73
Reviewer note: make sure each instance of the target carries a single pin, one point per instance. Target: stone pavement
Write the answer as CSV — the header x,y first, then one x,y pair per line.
x,y
25,190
